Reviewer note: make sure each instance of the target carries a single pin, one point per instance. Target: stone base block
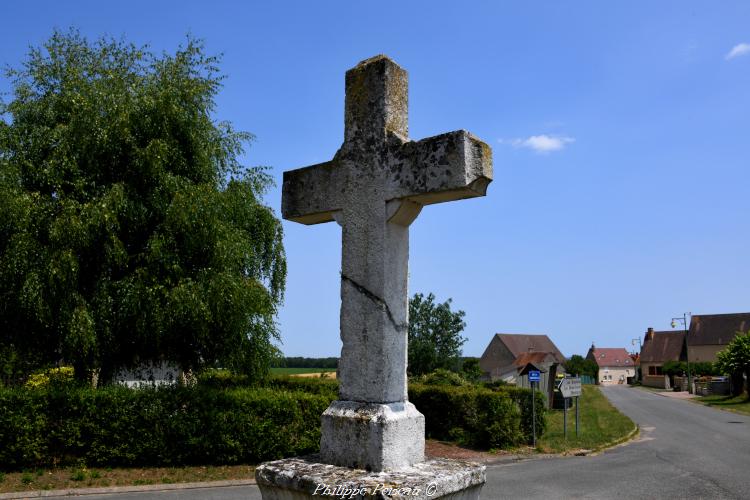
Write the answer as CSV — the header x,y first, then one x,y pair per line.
x,y
305,478
372,436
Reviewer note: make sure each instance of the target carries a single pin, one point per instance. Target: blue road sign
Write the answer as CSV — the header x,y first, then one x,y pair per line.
x,y
534,376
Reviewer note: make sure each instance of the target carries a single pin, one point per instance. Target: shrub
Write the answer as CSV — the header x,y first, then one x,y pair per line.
x,y
697,368
219,378
59,377
158,426
442,376
477,416
169,426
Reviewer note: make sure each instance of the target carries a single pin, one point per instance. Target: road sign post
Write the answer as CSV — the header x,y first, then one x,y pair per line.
x,y
533,415
534,377
569,388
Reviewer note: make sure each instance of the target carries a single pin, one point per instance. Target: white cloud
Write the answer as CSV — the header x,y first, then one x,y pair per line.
x,y
541,143
738,50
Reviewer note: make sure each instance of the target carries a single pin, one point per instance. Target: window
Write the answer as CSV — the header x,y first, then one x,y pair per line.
x,y
654,370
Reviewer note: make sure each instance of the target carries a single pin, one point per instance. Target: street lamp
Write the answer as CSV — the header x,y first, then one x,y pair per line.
x,y
640,348
685,325
638,340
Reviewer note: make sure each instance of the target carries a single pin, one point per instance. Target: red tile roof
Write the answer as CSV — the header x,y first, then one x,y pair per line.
x,y
612,356
535,358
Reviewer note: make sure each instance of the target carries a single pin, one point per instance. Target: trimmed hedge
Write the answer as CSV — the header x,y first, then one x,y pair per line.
x,y
478,417
162,426
207,424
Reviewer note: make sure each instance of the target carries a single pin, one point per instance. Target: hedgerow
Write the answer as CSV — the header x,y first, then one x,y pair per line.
x,y
162,426
209,424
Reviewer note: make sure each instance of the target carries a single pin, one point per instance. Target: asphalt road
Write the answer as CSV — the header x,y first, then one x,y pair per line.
x,y
684,450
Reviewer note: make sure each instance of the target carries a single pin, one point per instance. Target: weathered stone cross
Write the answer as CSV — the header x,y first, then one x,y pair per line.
x,y
374,188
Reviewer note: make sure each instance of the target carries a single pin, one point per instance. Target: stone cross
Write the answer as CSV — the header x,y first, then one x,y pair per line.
x,y
374,188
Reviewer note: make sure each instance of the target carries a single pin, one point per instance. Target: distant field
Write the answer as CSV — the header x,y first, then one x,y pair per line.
x,y
299,371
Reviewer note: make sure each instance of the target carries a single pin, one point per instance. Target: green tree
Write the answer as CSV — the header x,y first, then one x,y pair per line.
x,y
471,370
578,365
434,335
129,230
735,360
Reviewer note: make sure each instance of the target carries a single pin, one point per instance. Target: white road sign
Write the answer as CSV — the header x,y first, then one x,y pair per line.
x,y
570,387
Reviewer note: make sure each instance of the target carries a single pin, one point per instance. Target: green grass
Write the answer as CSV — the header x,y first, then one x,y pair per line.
x,y
297,371
600,424
736,404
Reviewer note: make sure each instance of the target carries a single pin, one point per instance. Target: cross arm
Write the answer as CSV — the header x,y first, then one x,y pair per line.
x,y
311,195
442,168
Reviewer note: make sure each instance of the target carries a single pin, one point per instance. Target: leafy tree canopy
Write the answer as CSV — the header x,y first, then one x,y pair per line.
x,y
578,365
129,230
697,368
434,335
735,359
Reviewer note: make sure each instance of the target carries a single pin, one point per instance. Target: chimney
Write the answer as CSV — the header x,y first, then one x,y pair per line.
x,y
650,334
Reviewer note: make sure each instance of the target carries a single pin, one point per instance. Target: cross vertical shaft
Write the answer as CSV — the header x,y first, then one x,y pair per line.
x,y
375,187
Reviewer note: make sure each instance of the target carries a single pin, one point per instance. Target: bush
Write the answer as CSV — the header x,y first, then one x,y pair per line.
x,y
218,378
158,426
442,376
203,424
59,377
478,417
697,368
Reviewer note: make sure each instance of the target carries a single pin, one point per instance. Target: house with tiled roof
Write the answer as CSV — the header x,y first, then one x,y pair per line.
x,y
615,364
659,348
710,333
510,356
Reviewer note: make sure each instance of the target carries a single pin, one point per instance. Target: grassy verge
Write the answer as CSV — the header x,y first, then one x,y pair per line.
x,y
736,404
297,371
600,425
67,478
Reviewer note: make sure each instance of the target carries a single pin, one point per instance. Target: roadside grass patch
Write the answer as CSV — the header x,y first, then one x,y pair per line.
x,y
736,404
63,478
600,424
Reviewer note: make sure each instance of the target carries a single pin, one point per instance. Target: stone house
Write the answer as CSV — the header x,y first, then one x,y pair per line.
x,y
657,349
615,364
509,357
710,333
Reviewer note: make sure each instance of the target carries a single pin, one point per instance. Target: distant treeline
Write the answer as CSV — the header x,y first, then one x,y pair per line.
x,y
299,362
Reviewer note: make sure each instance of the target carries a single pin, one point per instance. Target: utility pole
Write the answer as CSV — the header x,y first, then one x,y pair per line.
x,y
685,326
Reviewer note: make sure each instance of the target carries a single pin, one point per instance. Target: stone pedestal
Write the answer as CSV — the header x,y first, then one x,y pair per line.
x,y
372,436
306,478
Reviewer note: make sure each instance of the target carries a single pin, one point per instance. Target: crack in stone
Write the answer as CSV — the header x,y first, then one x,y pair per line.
x,y
373,297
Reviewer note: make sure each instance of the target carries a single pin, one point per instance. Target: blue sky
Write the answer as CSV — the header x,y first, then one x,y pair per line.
x,y
619,131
